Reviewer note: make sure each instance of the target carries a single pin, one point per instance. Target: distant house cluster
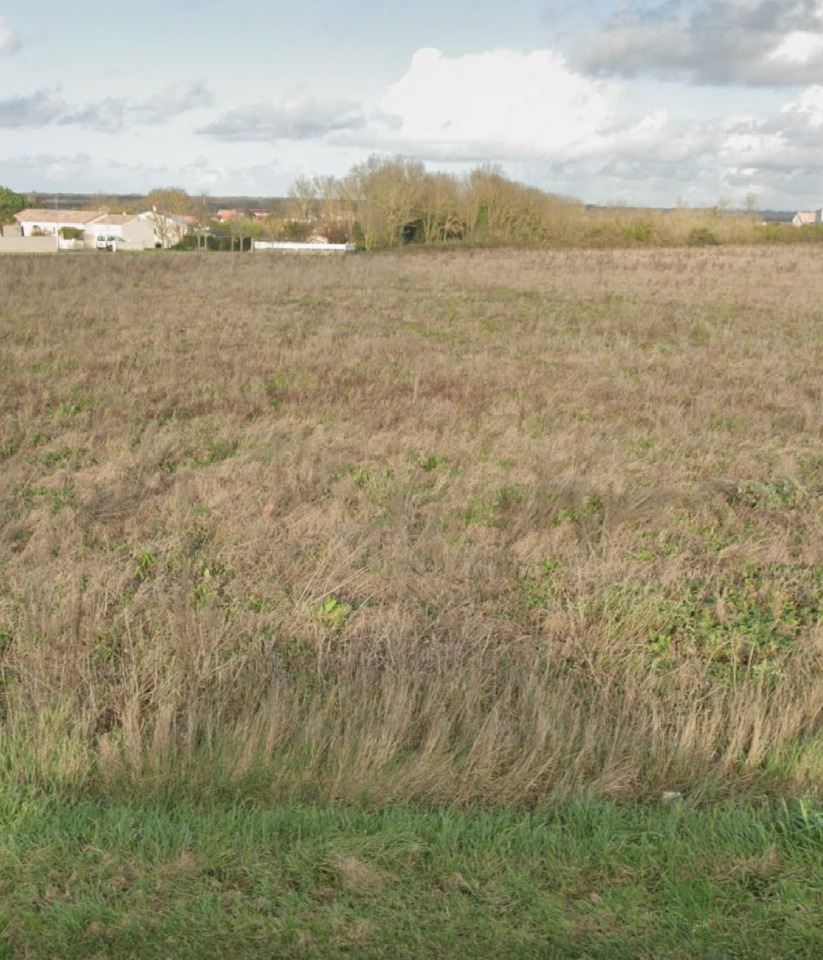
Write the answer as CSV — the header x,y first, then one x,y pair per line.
x,y
808,218
95,229
257,213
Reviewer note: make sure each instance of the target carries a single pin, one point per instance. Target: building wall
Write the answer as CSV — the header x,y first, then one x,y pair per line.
x,y
95,230
27,245
138,234
167,231
135,234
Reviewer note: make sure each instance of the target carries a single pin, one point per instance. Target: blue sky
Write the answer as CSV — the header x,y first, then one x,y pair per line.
x,y
644,101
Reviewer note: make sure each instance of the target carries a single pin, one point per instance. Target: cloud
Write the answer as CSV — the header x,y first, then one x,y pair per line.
x,y
9,41
110,115
171,102
81,172
751,42
50,169
105,116
775,154
500,104
35,110
786,144
299,117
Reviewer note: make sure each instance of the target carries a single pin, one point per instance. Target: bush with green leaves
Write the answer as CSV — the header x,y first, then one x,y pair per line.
x,y
10,203
702,237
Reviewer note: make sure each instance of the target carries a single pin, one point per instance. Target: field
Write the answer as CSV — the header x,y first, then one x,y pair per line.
x,y
441,547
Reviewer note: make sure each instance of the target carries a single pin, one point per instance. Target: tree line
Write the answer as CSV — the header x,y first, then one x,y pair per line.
x,y
385,202
389,201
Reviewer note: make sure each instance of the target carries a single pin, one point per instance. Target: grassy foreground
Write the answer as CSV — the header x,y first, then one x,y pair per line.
x,y
96,878
411,535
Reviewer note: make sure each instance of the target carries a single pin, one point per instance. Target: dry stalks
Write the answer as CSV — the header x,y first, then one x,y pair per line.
x,y
479,526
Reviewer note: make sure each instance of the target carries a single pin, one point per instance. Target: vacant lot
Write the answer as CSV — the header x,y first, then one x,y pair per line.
x,y
491,526
369,606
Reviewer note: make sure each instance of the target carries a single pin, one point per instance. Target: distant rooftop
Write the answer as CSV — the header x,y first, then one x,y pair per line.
x,y
116,219
57,216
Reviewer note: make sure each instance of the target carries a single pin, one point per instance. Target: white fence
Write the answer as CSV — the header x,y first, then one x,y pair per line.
x,y
293,247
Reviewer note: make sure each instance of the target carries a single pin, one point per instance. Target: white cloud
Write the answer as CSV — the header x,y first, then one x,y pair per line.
x,y
501,104
800,46
9,41
808,108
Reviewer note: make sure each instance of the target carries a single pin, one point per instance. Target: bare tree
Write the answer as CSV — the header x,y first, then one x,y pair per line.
x,y
168,205
303,198
440,215
390,190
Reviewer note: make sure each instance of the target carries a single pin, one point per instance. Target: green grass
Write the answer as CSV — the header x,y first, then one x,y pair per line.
x,y
152,878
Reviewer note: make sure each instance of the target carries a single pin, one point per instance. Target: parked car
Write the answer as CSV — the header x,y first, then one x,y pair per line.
x,y
107,242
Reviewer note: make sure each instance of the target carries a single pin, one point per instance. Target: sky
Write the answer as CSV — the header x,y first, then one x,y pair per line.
x,y
648,102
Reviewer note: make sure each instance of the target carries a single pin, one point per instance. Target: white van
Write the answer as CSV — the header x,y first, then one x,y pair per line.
x,y
107,242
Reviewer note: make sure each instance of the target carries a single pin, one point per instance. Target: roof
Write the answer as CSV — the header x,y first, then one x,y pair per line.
x,y
805,216
175,217
116,219
57,216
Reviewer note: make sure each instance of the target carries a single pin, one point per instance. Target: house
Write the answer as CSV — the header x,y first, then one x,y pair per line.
x,y
804,218
169,228
40,223
224,215
127,231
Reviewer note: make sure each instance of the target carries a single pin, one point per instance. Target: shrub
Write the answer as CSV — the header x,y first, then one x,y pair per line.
x,y
358,235
702,237
637,231
336,232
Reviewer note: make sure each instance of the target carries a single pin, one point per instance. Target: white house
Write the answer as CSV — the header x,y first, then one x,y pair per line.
x,y
39,223
127,231
142,231
169,228
804,218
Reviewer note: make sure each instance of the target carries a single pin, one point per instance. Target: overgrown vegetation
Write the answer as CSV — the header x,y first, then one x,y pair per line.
x,y
391,201
487,529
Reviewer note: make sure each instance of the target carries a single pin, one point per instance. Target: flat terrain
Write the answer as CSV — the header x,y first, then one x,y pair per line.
x,y
500,530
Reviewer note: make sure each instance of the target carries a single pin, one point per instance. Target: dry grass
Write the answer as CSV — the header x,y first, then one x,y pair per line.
x,y
494,526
